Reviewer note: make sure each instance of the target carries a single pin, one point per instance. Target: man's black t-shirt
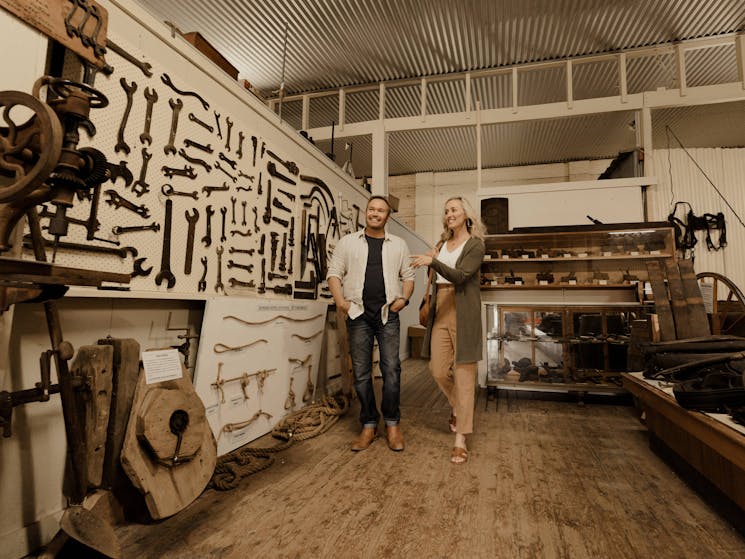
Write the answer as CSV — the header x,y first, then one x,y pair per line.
x,y
373,293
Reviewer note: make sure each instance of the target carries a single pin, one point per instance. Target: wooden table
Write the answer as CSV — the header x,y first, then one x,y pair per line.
x,y
704,449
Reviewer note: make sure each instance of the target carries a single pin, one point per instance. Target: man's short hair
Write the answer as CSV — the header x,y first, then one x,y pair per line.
x,y
379,197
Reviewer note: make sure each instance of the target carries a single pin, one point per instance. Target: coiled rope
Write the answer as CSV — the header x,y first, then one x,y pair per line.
x,y
309,422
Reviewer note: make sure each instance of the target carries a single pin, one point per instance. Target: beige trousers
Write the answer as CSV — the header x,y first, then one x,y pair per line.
x,y
457,381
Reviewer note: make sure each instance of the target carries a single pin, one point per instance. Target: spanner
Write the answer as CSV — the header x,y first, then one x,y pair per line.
x,y
194,118
207,239
171,172
219,286
145,67
202,285
210,189
233,200
239,151
230,127
191,219
166,79
244,203
140,186
168,190
176,107
217,120
195,160
117,201
230,162
165,261
224,213
130,89
192,144
248,267
138,270
232,178
151,96
118,230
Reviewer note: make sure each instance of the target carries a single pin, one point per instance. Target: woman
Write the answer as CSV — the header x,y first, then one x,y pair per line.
x,y
453,338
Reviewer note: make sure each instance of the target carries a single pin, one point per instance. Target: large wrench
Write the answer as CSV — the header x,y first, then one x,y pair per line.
x,y
166,79
145,67
151,96
117,201
191,219
165,261
176,106
130,89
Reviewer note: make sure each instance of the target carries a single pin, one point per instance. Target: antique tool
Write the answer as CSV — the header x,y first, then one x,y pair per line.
x,y
263,148
244,188
233,250
277,203
207,239
243,205
121,252
166,79
165,262
290,195
233,200
282,222
272,168
218,285
245,176
116,170
141,186
192,144
262,243
230,127
262,286
210,189
255,210
145,67
275,244
151,96
202,284
171,172
191,220
227,160
116,200
129,89
119,230
285,289
217,121
176,106
259,188
248,267
283,254
195,160
547,276
237,283
223,213
291,166
239,151
218,166
267,217
138,270
194,118
272,276
246,233
254,141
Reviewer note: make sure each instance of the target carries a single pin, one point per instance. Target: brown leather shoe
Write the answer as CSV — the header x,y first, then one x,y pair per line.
x,y
395,437
365,439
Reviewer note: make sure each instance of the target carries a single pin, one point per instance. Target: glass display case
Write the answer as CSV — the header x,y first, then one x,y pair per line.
x,y
565,348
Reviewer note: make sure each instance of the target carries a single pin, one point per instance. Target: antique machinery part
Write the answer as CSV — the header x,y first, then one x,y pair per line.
x,y
207,239
165,261
248,267
272,168
223,213
166,79
145,67
217,122
129,89
291,166
202,285
318,190
141,186
121,252
210,189
171,172
227,160
191,220
168,190
176,106
249,251
119,230
254,141
192,144
187,336
230,127
219,285
243,205
195,160
267,217
195,119
151,96
219,167
115,170
116,200
237,283
239,151
138,270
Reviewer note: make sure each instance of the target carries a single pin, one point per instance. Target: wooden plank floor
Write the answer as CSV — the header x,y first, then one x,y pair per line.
x,y
545,479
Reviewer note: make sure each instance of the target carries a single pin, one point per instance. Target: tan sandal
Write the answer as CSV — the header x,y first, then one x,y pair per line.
x,y
451,423
459,455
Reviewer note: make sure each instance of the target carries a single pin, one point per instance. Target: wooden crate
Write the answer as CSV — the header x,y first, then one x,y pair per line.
x,y
196,39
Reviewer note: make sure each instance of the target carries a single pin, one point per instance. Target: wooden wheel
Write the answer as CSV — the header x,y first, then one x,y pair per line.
x,y
728,303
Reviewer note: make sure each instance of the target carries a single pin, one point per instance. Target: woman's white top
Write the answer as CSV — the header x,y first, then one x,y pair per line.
x,y
449,258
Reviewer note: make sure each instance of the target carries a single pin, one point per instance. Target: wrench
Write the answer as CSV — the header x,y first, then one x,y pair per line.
x,y
230,127
217,120
210,189
233,200
191,219
151,96
218,285
166,79
291,166
171,172
223,212
192,144
248,251
254,141
247,233
228,161
243,203
195,160
129,89
165,261
145,67
256,219
239,151
197,120
207,239
176,107
248,267
138,270
272,168
202,285
237,283
118,230
117,201
245,176
168,190
140,186
232,178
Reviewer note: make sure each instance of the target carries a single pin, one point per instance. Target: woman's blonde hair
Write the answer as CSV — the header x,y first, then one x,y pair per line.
x,y
473,221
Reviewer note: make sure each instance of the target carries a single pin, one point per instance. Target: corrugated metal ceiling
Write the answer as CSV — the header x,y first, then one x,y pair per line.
x,y
337,43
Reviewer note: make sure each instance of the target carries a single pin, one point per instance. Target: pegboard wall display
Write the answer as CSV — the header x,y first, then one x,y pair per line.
x,y
258,362
204,197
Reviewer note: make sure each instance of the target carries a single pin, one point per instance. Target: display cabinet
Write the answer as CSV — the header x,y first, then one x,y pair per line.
x,y
583,257
582,348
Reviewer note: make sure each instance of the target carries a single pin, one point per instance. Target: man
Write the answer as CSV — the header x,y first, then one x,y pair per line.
x,y
371,280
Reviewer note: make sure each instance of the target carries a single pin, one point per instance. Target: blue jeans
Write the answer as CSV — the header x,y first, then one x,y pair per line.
x,y
362,333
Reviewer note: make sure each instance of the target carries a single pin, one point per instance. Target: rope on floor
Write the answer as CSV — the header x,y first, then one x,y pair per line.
x,y
309,422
